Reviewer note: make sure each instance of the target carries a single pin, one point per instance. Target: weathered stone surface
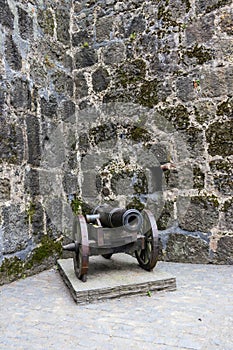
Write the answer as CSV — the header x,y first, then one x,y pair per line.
x,y
5,189
114,53
49,107
166,218
12,54
6,16
228,210
198,178
226,23
46,21
32,183
63,83
81,38
85,57
63,25
81,87
223,176
37,219
104,28
20,95
224,251
201,214
100,80
15,233
163,70
188,249
219,138
201,30
11,142
67,110
33,140
25,24
204,6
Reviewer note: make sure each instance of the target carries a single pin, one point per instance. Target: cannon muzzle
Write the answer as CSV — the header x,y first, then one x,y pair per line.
x,y
129,219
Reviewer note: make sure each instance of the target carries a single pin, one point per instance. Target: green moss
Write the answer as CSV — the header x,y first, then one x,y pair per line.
x,y
227,205
45,20
206,201
14,268
135,204
148,96
226,108
30,211
131,72
219,137
139,134
165,15
76,205
201,54
103,133
46,249
217,5
179,116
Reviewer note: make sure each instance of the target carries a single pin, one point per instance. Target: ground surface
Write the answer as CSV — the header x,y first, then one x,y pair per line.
x,y
39,313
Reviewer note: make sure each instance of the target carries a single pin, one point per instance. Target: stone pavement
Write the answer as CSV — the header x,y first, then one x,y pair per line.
x,y
39,313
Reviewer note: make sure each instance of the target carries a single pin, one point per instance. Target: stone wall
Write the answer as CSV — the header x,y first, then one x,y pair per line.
x,y
95,96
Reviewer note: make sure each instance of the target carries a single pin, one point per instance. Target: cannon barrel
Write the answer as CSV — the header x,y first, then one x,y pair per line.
x,y
129,219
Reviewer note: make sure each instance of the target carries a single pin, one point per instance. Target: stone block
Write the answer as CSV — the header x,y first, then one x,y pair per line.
x,y
137,25
166,217
228,210
201,31
63,25
104,27
223,176
85,57
46,21
70,183
81,87
6,16
11,142
20,94
37,219
80,38
32,185
185,90
203,6
100,80
224,251
25,24
114,53
15,234
13,57
187,249
67,111
33,140
113,278
49,107
198,213
63,83
219,138
5,189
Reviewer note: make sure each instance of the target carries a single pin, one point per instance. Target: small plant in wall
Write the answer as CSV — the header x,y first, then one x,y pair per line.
x,y
133,36
85,44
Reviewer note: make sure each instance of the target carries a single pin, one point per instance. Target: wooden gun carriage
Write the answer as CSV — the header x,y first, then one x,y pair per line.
x,y
109,231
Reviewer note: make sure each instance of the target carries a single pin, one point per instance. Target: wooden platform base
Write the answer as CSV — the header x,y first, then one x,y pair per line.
x,y
120,276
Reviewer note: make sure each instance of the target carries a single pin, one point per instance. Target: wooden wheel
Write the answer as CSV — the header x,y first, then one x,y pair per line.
x,y
147,256
81,253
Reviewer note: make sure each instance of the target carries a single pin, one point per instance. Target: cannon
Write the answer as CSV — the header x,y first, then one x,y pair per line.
x,y
107,231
